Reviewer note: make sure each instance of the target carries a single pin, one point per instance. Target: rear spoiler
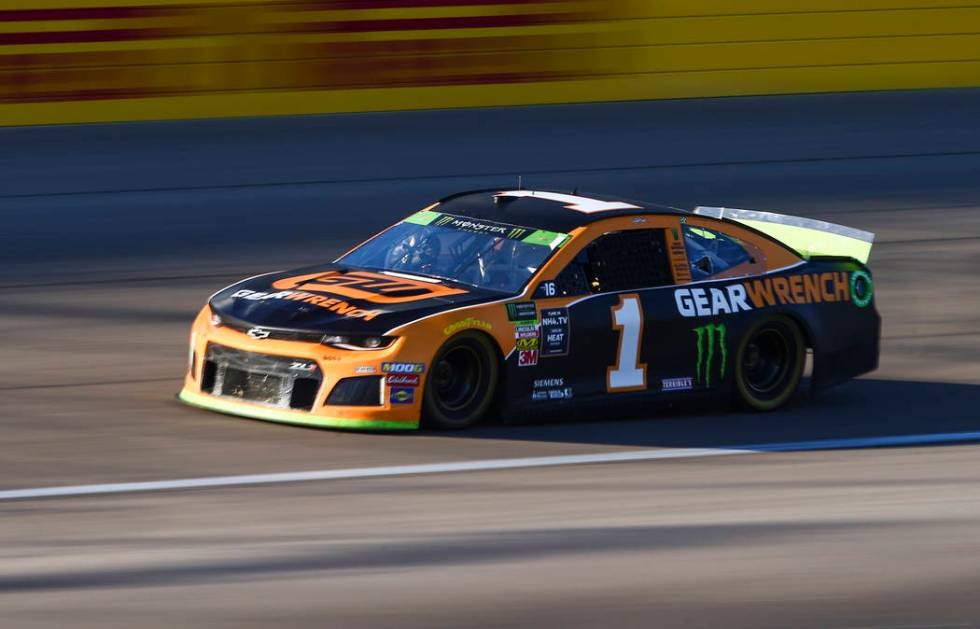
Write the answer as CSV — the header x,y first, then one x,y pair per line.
x,y
806,236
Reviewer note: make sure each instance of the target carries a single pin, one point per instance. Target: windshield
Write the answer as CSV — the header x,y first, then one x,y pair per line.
x,y
480,253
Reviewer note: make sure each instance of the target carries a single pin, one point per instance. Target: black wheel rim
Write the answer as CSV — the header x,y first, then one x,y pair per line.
x,y
766,362
457,377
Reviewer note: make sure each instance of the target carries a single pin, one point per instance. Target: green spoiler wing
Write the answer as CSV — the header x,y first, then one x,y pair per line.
x,y
806,236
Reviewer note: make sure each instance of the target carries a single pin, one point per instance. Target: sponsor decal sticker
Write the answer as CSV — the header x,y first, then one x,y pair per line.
x,y
334,305
554,332
522,311
677,384
861,289
403,367
809,288
372,287
401,395
703,302
467,324
711,343
550,389
527,343
402,379
527,358
302,366
365,369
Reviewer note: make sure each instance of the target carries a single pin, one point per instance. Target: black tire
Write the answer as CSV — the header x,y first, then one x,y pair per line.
x,y
461,384
769,364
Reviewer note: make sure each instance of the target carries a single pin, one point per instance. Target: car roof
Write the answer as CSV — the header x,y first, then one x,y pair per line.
x,y
546,209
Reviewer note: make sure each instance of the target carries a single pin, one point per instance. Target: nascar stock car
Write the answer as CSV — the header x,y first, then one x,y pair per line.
x,y
511,302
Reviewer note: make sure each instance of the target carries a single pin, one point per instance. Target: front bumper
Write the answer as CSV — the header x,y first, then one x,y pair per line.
x,y
333,365
253,411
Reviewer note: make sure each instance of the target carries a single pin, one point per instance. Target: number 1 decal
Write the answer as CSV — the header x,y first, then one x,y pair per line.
x,y
628,374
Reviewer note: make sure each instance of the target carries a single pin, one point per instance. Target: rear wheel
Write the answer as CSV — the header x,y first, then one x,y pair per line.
x,y
769,364
461,383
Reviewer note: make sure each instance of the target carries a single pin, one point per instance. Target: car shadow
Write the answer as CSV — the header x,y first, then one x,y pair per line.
x,y
858,409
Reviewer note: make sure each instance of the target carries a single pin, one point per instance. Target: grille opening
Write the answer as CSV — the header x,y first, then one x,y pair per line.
x,y
193,365
278,381
304,393
208,373
357,391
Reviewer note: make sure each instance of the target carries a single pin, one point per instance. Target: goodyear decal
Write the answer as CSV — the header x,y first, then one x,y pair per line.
x,y
467,324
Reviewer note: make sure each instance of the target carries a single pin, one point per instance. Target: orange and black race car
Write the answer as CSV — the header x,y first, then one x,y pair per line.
x,y
515,302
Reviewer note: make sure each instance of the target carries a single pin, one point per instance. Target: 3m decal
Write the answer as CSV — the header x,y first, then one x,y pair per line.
x,y
402,379
527,358
334,305
711,342
373,287
403,367
677,384
861,289
467,324
554,332
522,311
401,395
628,374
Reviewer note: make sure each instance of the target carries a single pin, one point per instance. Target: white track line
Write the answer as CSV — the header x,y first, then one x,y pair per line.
x,y
484,465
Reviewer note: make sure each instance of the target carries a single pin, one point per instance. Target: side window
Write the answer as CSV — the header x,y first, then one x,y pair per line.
x,y
710,252
617,261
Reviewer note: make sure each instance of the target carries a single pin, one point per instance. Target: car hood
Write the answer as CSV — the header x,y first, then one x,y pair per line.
x,y
340,299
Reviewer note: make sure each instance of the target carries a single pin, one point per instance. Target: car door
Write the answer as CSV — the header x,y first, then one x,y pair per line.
x,y
617,312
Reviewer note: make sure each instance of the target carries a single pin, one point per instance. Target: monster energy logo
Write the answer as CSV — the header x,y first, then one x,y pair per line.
x,y
706,351
517,232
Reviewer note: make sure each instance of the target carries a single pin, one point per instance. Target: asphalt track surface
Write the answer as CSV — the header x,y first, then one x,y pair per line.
x,y
112,237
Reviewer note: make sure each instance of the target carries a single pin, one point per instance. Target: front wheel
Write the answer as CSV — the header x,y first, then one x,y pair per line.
x,y
461,384
769,364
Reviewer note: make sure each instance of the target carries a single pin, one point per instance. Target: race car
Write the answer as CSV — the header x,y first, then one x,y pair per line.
x,y
509,303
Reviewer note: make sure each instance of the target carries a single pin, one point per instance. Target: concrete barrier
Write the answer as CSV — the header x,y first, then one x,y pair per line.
x,y
160,59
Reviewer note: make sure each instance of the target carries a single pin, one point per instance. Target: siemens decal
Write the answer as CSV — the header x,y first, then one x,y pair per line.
x,y
812,288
